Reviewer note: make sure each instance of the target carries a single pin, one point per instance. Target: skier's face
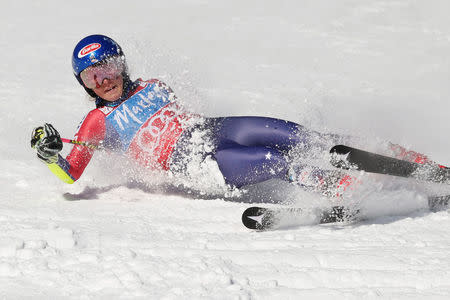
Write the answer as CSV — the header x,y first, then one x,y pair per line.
x,y
110,89
105,78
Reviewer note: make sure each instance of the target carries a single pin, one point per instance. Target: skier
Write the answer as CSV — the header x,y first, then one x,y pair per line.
x,y
142,120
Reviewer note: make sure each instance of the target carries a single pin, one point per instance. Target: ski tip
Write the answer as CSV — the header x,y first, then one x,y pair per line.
x,y
256,218
339,157
340,149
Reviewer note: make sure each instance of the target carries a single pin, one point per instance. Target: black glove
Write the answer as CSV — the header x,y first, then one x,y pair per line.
x,y
47,142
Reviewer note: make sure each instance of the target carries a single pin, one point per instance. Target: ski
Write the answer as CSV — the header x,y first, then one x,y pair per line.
x,y
345,157
262,218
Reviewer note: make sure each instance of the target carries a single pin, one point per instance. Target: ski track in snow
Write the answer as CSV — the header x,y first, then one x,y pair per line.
x,y
370,68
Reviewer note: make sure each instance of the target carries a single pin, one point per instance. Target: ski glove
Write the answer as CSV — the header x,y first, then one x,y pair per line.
x,y
47,142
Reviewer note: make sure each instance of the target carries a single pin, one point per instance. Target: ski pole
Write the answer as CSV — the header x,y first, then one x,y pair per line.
x,y
69,141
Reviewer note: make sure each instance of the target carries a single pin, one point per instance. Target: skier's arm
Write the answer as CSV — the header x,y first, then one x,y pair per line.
x,y
69,169
61,169
47,142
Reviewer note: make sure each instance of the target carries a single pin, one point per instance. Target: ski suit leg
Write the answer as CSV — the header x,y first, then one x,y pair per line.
x,y
253,149
243,165
259,131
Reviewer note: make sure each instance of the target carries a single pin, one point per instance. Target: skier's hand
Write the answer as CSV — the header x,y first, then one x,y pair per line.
x,y
47,142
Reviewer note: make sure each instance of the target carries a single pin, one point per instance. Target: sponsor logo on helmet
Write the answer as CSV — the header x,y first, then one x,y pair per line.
x,y
88,49
93,58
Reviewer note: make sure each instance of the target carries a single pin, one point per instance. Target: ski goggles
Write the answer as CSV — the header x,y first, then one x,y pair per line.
x,y
93,76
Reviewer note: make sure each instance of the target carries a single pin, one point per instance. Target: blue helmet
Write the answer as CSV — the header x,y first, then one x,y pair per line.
x,y
93,49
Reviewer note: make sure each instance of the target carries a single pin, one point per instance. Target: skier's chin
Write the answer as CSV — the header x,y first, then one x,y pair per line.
x,y
112,94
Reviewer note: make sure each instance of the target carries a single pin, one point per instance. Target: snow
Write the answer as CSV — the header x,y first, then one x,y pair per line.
x,y
376,69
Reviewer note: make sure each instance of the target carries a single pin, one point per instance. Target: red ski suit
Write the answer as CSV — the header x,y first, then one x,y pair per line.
x,y
145,126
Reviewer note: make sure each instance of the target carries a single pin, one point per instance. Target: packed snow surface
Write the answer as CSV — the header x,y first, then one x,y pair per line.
x,y
379,70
